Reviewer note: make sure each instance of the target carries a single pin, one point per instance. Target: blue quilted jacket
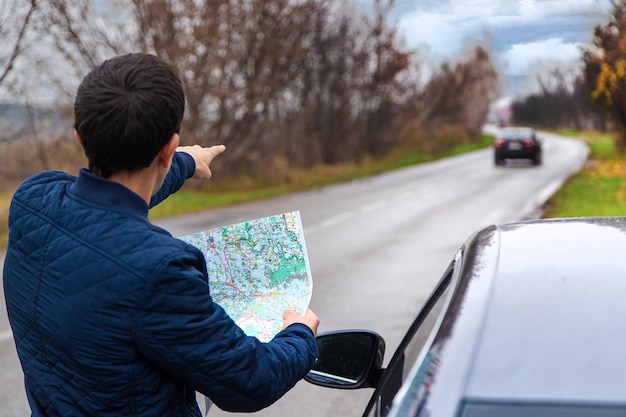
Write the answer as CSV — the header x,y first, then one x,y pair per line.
x,y
112,316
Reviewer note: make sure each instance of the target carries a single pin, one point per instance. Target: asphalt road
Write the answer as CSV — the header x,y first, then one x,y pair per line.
x,y
376,248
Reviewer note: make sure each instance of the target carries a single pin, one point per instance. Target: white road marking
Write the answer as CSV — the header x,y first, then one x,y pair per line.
x,y
337,219
309,230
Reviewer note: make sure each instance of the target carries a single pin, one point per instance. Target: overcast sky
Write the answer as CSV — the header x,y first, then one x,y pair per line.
x,y
522,32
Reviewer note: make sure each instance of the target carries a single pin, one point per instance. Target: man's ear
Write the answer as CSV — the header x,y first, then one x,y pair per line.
x,y
78,139
167,151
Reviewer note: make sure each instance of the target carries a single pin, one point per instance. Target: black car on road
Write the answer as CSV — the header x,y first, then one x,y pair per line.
x,y
527,320
517,143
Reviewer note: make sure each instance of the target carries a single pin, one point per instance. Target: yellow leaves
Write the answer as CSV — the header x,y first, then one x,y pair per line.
x,y
609,80
620,196
608,169
620,68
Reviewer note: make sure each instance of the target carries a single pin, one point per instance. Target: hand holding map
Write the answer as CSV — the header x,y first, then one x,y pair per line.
x,y
309,318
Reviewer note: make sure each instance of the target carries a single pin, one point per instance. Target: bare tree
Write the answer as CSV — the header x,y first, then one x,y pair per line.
x,y
238,60
15,19
351,94
563,101
79,35
382,89
460,94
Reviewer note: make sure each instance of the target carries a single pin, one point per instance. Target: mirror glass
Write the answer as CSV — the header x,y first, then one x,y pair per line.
x,y
345,358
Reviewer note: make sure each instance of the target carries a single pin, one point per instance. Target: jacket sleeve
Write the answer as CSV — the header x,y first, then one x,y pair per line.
x,y
183,332
183,168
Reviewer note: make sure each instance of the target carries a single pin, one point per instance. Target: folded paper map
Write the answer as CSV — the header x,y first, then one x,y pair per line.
x,y
258,269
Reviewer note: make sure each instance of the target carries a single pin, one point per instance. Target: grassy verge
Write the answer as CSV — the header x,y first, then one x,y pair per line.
x,y
186,201
599,189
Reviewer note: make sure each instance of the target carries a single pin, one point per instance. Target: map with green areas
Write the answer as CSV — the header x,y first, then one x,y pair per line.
x,y
258,269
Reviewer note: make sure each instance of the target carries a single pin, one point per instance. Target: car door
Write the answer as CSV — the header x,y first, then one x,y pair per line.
x,y
418,337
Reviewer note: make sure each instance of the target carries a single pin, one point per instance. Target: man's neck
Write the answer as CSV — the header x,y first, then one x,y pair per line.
x,y
140,182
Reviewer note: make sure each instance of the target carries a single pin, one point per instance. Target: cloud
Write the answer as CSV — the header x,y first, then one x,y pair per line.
x,y
521,57
432,30
521,30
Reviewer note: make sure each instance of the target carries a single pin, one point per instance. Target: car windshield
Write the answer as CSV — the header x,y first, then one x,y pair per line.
x,y
521,409
516,134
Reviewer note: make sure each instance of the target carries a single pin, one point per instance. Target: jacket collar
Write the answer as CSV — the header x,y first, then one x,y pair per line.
x,y
109,194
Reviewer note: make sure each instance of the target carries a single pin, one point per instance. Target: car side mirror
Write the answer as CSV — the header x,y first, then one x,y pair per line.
x,y
348,359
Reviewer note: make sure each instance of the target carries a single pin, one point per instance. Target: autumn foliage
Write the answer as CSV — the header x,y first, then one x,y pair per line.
x,y
605,69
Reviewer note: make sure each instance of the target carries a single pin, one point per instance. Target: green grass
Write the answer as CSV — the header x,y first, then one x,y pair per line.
x,y
192,201
603,148
585,195
599,189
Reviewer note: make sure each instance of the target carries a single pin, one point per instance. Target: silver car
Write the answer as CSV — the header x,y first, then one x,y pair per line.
x,y
528,320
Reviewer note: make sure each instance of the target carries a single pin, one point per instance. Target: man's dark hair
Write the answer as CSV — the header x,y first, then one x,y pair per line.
x,y
126,110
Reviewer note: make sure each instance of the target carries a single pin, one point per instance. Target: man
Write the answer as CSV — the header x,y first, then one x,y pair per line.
x,y
111,315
